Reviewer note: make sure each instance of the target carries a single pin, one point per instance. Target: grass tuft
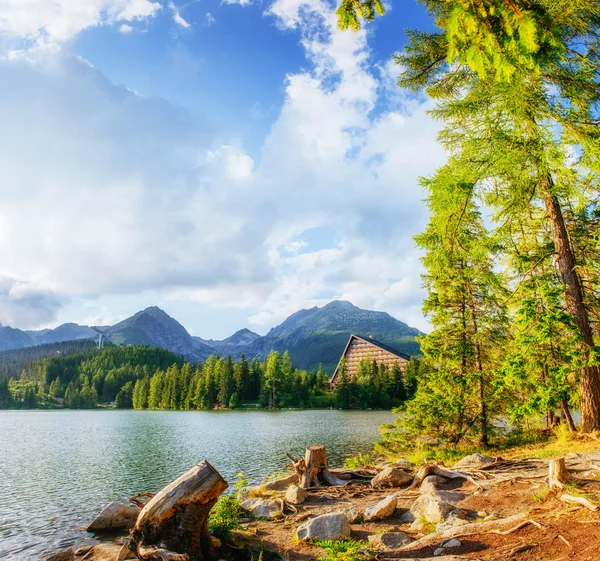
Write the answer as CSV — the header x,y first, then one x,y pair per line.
x,y
346,550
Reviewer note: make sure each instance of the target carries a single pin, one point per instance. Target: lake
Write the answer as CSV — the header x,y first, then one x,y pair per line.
x,y
59,468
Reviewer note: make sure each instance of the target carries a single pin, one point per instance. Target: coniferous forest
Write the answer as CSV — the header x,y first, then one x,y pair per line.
x,y
142,377
512,247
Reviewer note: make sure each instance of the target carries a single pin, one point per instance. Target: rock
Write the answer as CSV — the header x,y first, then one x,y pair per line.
x,y
82,550
125,552
103,552
66,555
403,464
281,484
431,507
452,543
389,540
392,477
332,526
262,508
439,551
431,483
353,514
382,510
295,495
473,461
115,516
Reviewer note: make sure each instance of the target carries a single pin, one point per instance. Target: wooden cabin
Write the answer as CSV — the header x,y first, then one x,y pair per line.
x,y
360,347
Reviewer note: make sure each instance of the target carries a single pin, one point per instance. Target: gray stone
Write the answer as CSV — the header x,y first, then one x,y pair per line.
x,y
382,510
431,483
431,507
66,555
353,514
115,516
389,540
332,526
295,495
452,543
281,484
439,551
392,477
262,508
473,461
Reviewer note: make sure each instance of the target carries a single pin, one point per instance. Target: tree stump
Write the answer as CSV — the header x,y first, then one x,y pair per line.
x,y
175,521
557,473
313,468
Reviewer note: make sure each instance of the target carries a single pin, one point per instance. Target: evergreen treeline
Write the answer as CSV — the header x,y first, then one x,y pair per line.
x,y
512,246
150,378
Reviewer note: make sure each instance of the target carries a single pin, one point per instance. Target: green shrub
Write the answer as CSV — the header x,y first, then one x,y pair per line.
x,y
360,461
225,517
346,550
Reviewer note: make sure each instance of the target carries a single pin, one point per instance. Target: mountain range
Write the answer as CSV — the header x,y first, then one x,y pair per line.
x,y
313,336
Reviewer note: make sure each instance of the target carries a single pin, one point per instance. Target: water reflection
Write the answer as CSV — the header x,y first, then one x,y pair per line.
x,y
58,468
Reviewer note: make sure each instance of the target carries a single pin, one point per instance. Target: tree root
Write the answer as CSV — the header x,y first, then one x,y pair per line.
x,y
578,500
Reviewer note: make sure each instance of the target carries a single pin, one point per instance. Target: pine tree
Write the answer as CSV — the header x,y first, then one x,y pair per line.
x,y
124,399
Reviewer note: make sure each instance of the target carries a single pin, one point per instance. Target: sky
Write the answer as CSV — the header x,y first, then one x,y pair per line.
x,y
231,161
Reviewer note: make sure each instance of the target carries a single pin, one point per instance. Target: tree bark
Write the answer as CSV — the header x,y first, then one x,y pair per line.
x,y
557,473
313,468
589,375
567,415
176,519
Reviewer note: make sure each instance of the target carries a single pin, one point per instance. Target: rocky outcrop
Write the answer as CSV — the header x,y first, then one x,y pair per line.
x,y
115,516
389,540
353,514
333,526
392,477
295,495
382,510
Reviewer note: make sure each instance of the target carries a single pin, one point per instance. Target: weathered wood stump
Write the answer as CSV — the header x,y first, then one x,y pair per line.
x,y
174,524
557,473
313,469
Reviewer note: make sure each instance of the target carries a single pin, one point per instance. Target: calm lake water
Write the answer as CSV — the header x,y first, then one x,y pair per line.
x,y
59,468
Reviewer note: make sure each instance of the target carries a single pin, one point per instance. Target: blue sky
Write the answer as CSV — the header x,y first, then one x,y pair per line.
x,y
231,162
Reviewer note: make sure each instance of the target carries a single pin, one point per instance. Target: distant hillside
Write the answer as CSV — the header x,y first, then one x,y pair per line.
x,y
313,336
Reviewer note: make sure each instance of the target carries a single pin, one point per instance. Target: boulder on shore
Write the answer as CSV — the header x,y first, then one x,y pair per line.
x,y
281,484
431,483
381,510
66,555
262,508
115,516
332,526
389,540
295,495
431,507
473,461
392,477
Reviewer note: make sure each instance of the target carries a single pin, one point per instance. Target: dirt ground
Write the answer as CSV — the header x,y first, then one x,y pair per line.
x,y
565,532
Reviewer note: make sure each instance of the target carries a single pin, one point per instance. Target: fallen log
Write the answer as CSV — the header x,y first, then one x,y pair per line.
x,y
174,524
578,500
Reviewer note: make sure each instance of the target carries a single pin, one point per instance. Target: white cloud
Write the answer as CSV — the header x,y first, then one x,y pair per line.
x,y
45,21
210,20
125,28
108,192
177,16
239,2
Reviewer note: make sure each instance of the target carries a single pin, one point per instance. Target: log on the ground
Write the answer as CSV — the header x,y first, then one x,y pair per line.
x,y
312,470
557,473
175,521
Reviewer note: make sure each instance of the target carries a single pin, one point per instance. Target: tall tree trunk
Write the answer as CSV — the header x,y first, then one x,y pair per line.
x,y
567,415
589,375
483,420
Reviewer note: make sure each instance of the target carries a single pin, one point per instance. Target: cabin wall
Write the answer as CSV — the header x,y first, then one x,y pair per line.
x,y
359,349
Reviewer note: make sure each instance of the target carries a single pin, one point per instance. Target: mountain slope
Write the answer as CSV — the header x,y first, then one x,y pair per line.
x,y
154,327
11,338
64,332
319,335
